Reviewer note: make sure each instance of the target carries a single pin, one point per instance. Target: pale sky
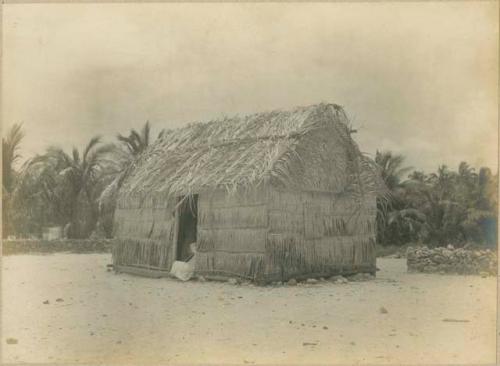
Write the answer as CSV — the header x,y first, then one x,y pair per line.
x,y
419,79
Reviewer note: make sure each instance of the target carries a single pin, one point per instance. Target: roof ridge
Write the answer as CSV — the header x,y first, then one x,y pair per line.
x,y
239,116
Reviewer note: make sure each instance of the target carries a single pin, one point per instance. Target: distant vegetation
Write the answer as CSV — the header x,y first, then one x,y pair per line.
x,y
440,208
77,191
10,155
57,188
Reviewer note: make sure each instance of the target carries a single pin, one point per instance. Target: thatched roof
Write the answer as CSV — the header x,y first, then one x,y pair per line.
x,y
246,151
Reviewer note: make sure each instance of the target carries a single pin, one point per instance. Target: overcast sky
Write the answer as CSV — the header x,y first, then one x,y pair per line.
x,y
419,79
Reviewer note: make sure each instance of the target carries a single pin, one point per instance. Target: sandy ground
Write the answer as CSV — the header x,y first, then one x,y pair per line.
x,y
107,317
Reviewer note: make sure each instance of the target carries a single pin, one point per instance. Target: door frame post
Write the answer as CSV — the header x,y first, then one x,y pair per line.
x,y
176,232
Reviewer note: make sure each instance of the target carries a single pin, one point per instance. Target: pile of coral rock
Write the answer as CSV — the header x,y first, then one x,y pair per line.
x,y
451,260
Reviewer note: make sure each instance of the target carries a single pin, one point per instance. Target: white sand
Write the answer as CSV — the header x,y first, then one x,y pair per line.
x,y
120,318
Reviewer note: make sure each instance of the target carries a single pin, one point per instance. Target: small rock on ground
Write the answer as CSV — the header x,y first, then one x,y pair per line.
x,y
338,279
361,277
292,282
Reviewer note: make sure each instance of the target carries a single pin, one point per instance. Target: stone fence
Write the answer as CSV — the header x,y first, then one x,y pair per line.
x,y
451,260
29,246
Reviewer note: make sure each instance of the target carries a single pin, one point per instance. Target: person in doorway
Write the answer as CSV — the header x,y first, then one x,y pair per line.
x,y
192,249
185,270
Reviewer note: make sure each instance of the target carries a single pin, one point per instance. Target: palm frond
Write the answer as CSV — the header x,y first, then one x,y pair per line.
x,y
92,143
145,134
76,156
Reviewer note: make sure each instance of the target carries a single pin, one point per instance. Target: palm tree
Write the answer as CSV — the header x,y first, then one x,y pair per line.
x,y
77,179
417,176
136,142
444,182
130,148
10,156
392,172
481,220
392,169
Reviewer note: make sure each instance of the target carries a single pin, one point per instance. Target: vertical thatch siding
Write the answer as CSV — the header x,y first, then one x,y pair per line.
x,y
315,233
144,231
229,240
232,231
143,223
144,253
244,217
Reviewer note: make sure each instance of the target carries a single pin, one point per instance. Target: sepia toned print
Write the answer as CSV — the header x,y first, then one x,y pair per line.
x,y
249,183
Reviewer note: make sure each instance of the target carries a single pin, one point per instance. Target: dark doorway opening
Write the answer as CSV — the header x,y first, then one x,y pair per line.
x,y
187,216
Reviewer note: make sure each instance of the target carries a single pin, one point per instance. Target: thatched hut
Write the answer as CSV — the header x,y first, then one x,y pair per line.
x,y
269,196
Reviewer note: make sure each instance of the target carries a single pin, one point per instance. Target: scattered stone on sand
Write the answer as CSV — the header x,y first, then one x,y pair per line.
x,y
309,343
312,281
361,277
292,282
46,302
325,327
11,341
449,320
172,308
59,300
233,281
341,280
382,310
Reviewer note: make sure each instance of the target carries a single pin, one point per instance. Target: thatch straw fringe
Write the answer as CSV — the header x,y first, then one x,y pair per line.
x,y
317,226
233,240
286,221
143,253
245,265
144,223
253,216
289,255
242,197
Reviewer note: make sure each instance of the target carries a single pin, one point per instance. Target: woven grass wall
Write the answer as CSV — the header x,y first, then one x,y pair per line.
x,y
144,225
232,231
319,234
